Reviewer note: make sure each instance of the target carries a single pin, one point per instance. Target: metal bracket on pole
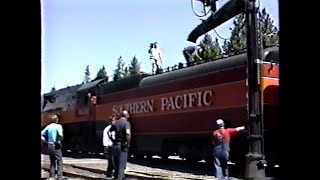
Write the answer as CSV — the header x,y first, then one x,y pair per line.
x,y
258,66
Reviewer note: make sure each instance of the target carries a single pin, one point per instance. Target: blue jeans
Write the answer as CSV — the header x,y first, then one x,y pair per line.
x,y
120,157
221,157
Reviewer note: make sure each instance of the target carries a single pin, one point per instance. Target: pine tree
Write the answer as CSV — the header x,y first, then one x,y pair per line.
x,y
102,73
267,32
126,72
87,75
210,49
134,67
237,43
119,71
217,47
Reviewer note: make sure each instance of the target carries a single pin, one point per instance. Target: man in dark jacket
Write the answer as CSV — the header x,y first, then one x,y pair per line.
x,y
121,144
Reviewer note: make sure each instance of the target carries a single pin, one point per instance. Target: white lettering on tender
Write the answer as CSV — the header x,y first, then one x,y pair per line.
x,y
182,101
187,100
135,107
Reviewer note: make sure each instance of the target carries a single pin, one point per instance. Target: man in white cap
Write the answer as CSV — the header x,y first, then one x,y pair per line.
x,y
221,148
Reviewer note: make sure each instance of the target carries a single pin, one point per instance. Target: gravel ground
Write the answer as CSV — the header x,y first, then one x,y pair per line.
x,y
146,169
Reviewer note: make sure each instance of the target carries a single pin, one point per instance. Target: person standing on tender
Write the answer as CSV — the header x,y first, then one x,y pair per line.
x,y
221,148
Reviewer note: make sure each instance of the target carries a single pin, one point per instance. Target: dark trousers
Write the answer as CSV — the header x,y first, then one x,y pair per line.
x,y
120,157
109,156
221,157
188,58
155,67
56,164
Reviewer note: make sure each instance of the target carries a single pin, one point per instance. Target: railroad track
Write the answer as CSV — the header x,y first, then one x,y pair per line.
x,y
155,168
83,173
73,174
95,169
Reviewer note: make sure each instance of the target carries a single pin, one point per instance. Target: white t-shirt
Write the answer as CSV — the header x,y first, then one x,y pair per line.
x,y
106,139
156,54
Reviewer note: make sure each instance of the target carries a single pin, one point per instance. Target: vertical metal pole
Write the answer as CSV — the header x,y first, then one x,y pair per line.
x,y
255,162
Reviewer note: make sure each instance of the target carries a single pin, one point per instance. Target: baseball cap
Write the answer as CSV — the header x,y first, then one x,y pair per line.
x,y
219,122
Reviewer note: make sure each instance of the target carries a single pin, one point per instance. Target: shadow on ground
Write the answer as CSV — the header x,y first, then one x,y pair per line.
x,y
196,168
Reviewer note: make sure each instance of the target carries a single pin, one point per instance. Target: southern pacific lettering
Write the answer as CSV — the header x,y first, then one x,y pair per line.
x,y
135,107
173,113
187,100
180,101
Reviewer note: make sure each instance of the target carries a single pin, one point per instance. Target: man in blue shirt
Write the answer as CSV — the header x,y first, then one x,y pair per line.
x,y
52,134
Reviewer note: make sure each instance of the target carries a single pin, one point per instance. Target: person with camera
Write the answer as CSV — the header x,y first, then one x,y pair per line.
x,y
52,135
121,144
156,57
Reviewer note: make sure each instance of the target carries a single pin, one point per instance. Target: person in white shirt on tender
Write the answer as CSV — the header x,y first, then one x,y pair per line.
x,y
107,143
155,57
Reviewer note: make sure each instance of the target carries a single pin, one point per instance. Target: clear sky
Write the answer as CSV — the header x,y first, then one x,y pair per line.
x,y
77,33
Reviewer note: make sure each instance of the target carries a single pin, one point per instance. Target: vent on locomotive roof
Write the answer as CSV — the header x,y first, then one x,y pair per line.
x,y
53,99
50,98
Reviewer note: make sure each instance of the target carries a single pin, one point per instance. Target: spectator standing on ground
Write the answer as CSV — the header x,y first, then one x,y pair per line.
x,y
121,145
221,148
52,134
108,138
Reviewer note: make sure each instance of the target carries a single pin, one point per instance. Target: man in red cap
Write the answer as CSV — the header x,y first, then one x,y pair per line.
x,y
221,148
